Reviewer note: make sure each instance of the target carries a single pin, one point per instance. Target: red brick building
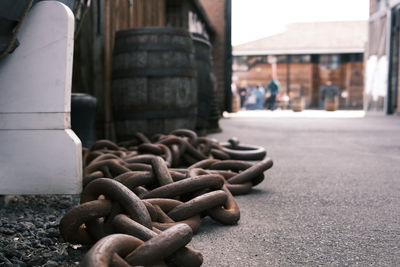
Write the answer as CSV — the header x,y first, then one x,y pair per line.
x,y
306,56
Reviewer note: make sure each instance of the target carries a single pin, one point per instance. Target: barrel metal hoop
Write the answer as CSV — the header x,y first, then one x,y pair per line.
x,y
154,72
157,114
152,30
134,47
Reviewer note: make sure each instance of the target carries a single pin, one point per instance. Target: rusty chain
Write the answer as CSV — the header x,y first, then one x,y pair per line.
x,y
143,199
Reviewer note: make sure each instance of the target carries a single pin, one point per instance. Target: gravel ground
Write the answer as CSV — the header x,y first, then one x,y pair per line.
x,y
29,234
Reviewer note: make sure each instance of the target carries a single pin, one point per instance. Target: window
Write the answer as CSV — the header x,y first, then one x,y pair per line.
x,y
256,60
300,59
281,59
329,62
351,57
240,63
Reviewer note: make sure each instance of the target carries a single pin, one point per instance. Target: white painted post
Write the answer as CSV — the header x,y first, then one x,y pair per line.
x,y
39,153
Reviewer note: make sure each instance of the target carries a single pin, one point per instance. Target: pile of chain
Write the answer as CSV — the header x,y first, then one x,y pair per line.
x,y
143,200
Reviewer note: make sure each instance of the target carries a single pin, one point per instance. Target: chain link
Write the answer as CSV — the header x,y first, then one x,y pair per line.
x,y
143,199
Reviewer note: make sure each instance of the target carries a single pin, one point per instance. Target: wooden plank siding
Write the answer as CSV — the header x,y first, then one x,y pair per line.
x,y
94,49
123,15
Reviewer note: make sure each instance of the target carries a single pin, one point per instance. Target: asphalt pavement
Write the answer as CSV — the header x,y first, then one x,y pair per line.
x,y
332,197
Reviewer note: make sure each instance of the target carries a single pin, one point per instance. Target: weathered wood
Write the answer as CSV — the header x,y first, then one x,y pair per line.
x,y
107,67
161,13
95,44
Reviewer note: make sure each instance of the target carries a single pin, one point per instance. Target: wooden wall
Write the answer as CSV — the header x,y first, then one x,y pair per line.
x,y
94,48
350,78
300,78
354,84
300,81
122,15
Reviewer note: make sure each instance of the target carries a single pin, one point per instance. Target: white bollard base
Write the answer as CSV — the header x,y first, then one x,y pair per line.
x,y
40,162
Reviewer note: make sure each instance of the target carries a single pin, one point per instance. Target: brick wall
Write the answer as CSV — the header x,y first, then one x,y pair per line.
x,y
215,9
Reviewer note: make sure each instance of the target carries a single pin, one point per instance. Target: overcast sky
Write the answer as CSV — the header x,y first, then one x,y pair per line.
x,y
255,19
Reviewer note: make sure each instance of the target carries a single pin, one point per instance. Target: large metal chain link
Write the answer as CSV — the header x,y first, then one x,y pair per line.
x,y
143,199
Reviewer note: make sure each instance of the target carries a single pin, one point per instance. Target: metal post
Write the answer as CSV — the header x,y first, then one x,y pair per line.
x,y
228,56
288,74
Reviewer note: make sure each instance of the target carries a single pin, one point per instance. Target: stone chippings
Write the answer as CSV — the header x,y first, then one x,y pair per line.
x,y
29,234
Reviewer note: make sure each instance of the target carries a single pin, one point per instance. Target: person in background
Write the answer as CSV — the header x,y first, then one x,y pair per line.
x,y
251,98
260,92
243,95
273,87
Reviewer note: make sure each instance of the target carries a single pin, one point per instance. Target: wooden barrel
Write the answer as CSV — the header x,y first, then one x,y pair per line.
x,y
298,104
205,79
154,87
235,103
331,103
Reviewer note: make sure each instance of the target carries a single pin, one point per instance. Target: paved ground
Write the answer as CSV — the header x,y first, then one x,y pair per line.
x,y
332,197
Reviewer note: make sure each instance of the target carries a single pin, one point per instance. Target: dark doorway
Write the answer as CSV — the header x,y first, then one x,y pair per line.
x,y
394,61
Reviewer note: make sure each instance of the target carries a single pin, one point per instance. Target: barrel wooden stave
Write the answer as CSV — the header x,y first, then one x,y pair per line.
x,y
205,79
154,87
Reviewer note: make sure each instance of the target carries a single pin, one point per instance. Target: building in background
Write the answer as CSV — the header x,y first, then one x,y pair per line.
x,y
382,57
304,57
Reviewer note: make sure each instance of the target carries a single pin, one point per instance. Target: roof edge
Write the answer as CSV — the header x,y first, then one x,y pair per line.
x,y
298,52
